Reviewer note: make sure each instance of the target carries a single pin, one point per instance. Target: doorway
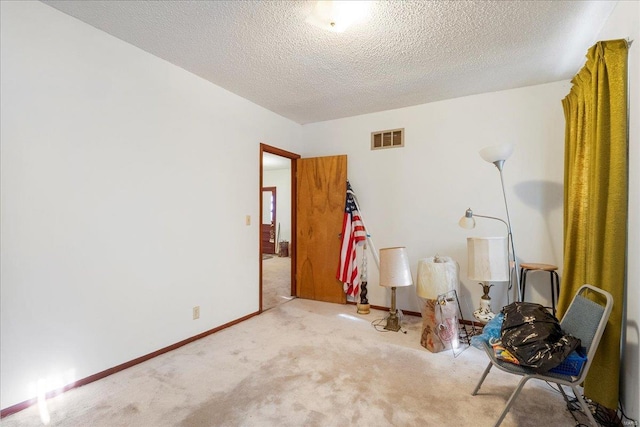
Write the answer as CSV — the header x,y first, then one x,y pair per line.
x,y
277,226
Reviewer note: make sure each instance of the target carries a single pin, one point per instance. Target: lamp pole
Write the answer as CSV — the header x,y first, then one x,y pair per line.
x,y
499,164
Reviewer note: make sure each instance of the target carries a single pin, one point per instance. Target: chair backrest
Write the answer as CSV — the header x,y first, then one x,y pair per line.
x,y
586,319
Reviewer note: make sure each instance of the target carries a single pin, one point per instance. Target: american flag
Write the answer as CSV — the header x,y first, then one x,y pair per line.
x,y
353,235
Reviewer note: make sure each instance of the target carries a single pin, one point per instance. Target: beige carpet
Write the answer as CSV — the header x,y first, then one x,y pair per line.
x,y
304,363
276,281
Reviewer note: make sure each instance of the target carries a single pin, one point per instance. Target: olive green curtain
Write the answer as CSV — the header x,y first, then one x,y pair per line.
x,y
595,200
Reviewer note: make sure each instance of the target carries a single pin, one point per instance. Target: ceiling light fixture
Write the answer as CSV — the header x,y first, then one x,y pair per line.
x,y
337,16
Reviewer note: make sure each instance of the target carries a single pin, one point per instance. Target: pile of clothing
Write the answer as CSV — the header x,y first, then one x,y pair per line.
x,y
527,334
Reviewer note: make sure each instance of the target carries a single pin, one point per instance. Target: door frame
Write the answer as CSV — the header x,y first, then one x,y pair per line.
x,y
264,148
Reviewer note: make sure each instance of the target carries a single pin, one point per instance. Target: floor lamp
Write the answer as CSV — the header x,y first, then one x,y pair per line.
x,y
498,154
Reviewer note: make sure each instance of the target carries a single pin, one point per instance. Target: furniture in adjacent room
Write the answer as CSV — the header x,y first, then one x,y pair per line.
x,y
526,267
586,318
268,223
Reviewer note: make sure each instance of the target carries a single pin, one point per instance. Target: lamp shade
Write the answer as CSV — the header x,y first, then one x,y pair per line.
x,y
394,267
496,153
436,276
488,259
467,221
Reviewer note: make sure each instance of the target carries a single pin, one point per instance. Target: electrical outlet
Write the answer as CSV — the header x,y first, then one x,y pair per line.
x,y
196,312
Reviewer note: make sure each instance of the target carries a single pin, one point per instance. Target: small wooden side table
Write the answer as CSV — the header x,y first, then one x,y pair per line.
x,y
526,267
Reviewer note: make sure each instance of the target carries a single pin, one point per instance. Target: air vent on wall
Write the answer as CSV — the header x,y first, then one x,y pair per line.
x,y
387,139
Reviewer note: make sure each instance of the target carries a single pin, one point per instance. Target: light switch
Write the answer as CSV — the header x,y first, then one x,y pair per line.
x,y
247,220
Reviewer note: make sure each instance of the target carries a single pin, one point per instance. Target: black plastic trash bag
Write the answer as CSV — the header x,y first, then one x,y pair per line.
x,y
534,337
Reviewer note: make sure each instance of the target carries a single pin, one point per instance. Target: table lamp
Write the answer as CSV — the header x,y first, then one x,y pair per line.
x,y
436,276
488,262
394,272
436,279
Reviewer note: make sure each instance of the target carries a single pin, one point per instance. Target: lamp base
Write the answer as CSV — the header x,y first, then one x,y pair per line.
x,y
484,313
393,323
364,308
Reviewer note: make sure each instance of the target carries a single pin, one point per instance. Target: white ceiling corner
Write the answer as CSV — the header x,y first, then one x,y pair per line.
x,y
408,53
272,162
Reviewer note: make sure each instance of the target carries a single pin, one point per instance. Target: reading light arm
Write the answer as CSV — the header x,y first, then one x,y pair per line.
x,y
489,217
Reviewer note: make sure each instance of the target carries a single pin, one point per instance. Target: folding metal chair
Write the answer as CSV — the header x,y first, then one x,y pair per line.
x,y
585,319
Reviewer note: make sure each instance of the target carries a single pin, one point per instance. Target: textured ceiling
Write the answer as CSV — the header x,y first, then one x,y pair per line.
x,y
408,53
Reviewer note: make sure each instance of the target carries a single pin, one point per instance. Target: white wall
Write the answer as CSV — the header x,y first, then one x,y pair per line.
x,y
115,187
624,23
414,196
114,177
281,179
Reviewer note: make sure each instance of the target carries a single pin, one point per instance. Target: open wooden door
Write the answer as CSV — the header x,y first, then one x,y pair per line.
x,y
321,191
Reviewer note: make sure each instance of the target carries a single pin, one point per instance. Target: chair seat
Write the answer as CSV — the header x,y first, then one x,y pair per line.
x,y
512,368
585,319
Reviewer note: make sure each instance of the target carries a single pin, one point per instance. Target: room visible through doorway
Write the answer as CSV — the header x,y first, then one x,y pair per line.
x,y
277,226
